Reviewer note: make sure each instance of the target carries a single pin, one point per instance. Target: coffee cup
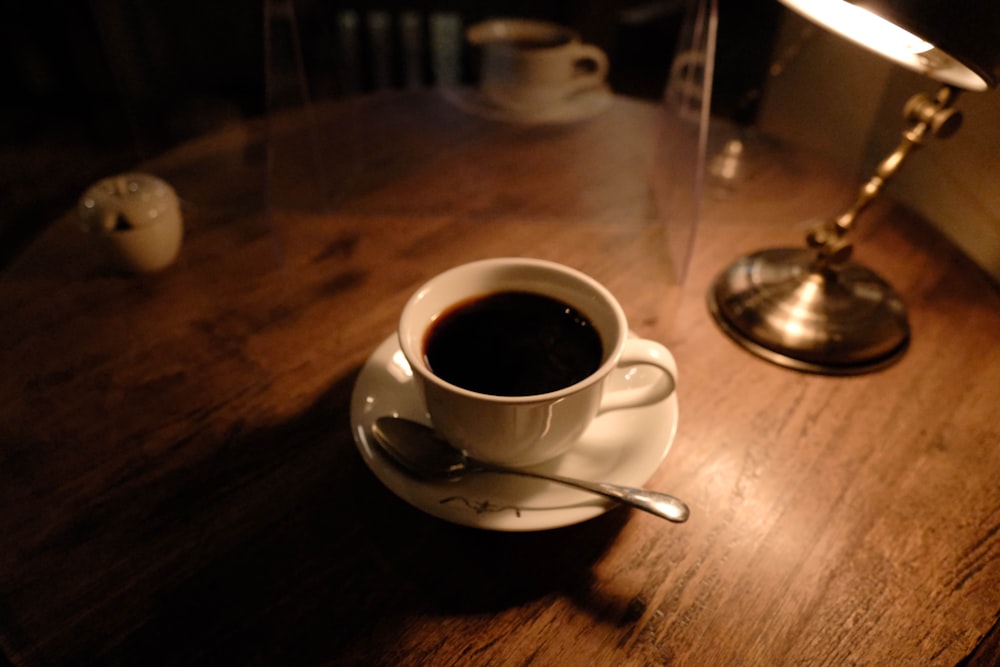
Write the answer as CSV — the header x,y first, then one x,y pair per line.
x,y
528,65
511,355
136,218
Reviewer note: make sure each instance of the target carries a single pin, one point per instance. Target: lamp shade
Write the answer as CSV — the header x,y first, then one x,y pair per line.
x,y
954,41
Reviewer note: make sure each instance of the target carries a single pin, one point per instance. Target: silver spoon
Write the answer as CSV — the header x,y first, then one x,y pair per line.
x,y
422,451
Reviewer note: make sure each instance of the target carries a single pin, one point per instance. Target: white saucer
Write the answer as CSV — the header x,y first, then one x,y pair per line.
x,y
623,446
579,106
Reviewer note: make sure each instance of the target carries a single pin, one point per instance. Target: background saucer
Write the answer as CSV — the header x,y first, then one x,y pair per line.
x,y
623,446
579,106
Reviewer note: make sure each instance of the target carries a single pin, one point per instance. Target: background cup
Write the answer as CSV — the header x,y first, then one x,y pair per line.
x,y
524,430
528,65
136,217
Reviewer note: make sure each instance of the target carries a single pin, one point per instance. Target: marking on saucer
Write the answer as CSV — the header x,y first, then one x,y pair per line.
x,y
481,506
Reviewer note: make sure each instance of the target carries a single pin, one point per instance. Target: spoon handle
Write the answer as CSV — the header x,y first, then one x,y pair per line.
x,y
659,504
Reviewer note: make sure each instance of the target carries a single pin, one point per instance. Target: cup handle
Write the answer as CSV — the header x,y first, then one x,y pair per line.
x,y
590,66
643,352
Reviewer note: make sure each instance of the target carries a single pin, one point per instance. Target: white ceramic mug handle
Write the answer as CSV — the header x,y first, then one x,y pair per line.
x,y
588,53
643,352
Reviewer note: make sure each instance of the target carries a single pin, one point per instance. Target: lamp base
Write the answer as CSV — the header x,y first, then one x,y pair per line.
x,y
841,320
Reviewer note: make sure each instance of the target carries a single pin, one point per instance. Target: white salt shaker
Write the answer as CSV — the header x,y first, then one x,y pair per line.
x,y
137,217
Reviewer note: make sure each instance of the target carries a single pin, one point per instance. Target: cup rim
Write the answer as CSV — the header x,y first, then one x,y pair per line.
x,y
499,29
418,365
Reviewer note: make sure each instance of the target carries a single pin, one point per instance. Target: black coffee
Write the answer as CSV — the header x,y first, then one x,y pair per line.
x,y
513,344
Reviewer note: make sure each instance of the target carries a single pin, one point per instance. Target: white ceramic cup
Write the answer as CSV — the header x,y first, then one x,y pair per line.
x,y
136,217
525,430
529,65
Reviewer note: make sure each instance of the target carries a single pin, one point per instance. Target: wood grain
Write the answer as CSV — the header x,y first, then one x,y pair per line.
x,y
179,484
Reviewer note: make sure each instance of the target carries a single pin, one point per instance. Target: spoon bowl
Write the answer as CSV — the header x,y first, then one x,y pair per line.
x,y
419,450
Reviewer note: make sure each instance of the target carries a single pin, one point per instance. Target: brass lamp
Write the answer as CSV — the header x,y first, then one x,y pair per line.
x,y
812,308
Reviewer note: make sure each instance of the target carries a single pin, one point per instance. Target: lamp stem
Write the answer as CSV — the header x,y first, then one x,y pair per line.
x,y
927,118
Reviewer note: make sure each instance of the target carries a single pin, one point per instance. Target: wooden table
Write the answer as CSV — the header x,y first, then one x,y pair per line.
x,y
179,483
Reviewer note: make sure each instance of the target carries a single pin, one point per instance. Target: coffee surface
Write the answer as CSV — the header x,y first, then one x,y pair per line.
x,y
513,344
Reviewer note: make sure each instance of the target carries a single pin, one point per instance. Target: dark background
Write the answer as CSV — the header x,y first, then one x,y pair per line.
x,y
95,87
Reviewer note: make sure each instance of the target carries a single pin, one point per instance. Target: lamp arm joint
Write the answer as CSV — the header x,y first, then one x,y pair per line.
x,y
930,118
